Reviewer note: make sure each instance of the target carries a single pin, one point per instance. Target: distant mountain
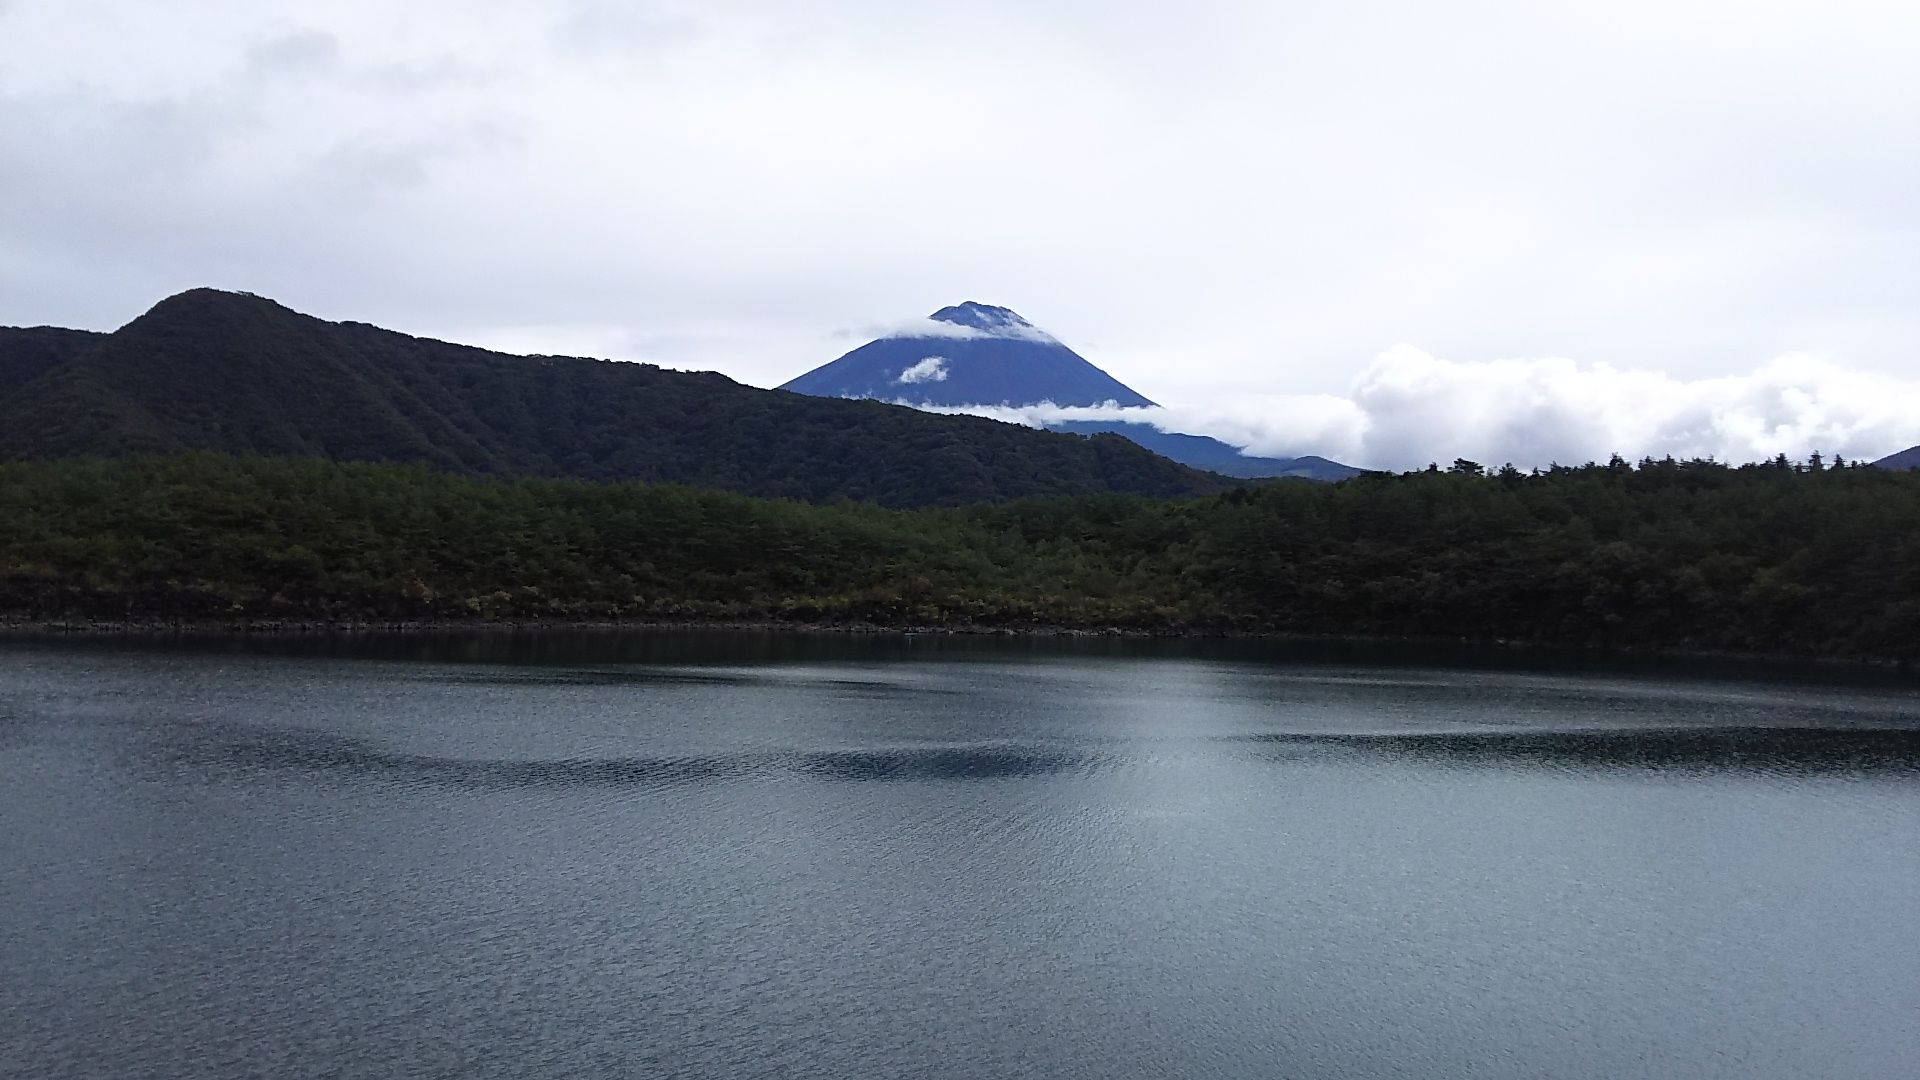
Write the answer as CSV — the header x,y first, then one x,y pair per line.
x,y
979,354
1212,455
232,372
1905,459
968,354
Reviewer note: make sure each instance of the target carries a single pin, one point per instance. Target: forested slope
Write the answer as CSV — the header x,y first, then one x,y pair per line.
x,y
1767,559
27,352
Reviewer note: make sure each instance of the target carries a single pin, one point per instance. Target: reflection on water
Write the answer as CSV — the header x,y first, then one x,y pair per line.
x,y
789,855
224,751
1716,750
216,751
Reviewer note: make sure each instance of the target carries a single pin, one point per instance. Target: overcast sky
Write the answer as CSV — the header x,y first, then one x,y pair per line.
x,y
1391,231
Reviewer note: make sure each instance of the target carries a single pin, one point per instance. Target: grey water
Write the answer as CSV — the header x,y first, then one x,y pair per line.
x,y
769,855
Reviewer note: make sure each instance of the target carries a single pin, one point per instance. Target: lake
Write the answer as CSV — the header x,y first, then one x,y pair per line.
x,y
744,855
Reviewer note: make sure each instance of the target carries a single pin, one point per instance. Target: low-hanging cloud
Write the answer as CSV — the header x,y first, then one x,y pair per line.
x,y
932,369
1409,408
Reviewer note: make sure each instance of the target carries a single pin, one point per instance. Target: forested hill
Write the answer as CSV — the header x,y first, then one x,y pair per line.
x,y
1668,555
236,373
26,352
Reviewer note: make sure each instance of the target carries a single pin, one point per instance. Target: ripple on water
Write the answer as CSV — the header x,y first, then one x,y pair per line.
x,y
1022,864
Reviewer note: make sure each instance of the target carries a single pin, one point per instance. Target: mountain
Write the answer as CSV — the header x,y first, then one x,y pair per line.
x,y
968,354
237,373
979,354
1212,455
27,351
1905,459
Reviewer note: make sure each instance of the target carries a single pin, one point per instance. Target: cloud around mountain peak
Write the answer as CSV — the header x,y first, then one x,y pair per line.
x,y
969,321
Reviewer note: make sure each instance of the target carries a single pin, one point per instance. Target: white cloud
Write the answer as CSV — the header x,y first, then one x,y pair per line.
x,y
932,369
940,329
1409,407
1419,406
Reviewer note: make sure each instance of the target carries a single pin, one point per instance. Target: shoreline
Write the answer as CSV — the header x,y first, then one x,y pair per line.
x,y
331,627
15,628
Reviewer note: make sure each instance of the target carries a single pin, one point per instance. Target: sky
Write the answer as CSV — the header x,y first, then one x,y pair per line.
x,y
1389,232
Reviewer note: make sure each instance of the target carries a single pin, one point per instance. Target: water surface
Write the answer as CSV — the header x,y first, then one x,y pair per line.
x,y
767,855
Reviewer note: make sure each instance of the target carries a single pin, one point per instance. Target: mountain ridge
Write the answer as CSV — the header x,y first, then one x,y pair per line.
x,y
1904,459
238,373
1205,452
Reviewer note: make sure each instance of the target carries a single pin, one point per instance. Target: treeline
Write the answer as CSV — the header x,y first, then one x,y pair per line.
x,y
1774,558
